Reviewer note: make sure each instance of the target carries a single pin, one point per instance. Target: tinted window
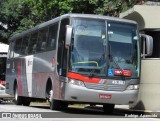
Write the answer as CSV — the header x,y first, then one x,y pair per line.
x,y
24,48
52,37
42,37
32,43
17,49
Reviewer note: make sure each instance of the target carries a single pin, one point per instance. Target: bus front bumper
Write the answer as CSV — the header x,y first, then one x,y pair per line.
x,y
76,93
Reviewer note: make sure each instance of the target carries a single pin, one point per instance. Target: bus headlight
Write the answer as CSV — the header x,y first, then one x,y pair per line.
x,y
133,87
76,82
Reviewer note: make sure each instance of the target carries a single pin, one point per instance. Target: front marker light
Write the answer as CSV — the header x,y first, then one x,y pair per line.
x,y
133,87
76,82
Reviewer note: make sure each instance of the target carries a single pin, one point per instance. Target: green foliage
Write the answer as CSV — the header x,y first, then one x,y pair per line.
x,y
48,9
13,15
20,15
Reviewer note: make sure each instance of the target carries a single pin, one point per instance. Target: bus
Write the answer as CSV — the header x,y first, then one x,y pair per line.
x,y
3,58
76,58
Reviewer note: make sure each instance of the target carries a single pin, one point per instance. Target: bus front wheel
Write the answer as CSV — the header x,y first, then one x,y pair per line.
x,y
58,105
55,104
108,108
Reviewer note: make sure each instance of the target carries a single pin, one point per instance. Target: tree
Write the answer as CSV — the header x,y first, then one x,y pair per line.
x,y
20,15
16,16
3,30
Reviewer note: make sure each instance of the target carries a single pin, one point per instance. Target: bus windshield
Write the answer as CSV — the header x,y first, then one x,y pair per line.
x,y
123,50
90,52
88,46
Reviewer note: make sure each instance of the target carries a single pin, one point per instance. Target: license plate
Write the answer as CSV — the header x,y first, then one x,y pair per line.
x,y
105,96
118,82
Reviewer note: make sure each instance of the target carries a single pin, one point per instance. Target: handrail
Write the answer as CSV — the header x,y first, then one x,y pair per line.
x,y
84,62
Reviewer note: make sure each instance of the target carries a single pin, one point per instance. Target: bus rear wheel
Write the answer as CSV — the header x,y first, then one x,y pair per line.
x,y
26,103
17,98
108,108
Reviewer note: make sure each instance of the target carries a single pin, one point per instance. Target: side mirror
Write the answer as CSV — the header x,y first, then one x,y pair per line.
x,y
147,46
68,36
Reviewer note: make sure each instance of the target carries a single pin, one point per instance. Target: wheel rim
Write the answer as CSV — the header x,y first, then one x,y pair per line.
x,y
16,94
50,95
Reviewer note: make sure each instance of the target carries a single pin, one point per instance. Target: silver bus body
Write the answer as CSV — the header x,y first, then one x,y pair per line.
x,y
46,71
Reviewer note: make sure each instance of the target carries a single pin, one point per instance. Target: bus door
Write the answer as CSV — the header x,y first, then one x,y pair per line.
x,y
61,60
62,51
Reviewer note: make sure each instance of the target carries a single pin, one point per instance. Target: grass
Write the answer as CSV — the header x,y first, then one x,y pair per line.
x,y
47,103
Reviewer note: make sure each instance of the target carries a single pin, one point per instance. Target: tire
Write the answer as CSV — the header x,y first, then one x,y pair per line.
x,y
108,108
26,102
58,105
18,100
64,105
55,104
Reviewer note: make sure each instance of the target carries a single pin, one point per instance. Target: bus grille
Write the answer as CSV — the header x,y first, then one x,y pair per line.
x,y
105,87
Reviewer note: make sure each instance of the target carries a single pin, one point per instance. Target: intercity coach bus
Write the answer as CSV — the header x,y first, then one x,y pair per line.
x,y
76,58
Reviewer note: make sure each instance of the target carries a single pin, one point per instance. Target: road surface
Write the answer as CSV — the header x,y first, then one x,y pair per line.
x,y
70,114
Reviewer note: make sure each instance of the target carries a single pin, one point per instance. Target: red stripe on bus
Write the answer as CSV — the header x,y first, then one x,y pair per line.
x,y
83,78
19,79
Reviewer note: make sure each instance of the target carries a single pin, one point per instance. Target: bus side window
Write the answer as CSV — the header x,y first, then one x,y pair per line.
x,y
24,48
17,49
43,46
42,37
52,37
32,43
62,51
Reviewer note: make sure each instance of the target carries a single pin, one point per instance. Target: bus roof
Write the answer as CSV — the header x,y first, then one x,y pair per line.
x,y
98,17
4,48
70,15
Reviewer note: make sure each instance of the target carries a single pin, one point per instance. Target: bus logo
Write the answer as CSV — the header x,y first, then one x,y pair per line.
x,y
6,115
30,63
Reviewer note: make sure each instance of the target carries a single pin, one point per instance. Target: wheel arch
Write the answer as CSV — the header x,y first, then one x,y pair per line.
x,y
15,84
49,86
